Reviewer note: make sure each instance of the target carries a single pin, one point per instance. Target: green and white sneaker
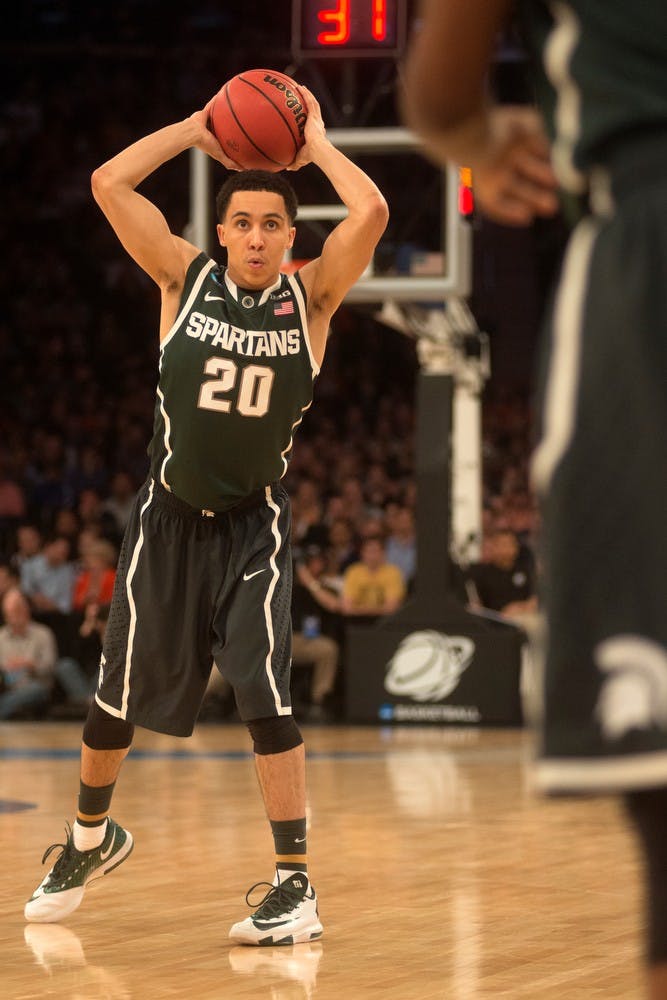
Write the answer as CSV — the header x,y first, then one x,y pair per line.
x,y
287,915
61,891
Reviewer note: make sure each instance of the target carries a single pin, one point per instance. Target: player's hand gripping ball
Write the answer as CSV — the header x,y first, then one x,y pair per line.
x,y
258,117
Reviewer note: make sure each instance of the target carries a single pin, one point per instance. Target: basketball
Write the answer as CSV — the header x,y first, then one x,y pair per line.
x,y
258,117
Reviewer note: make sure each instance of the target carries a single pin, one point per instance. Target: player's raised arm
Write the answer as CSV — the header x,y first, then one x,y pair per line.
x,y
349,248
139,224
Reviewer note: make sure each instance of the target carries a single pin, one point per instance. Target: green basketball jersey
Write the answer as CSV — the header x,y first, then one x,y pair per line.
x,y
604,75
236,375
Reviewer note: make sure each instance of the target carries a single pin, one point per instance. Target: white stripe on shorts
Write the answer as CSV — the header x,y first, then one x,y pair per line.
x,y
560,398
280,708
122,713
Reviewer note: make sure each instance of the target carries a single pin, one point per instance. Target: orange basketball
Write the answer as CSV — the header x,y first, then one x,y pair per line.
x,y
258,117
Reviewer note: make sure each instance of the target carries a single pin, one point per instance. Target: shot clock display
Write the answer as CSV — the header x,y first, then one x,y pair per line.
x,y
341,28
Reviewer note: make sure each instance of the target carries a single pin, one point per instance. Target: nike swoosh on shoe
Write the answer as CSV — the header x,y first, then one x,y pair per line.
x,y
104,855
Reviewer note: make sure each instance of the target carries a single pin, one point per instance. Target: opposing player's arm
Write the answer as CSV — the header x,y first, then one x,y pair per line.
x,y
349,248
445,99
446,71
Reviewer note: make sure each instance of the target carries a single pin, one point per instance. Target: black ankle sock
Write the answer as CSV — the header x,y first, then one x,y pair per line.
x,y
94,804
289,838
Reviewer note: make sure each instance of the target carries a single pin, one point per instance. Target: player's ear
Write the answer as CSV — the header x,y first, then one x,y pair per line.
x,y
220,230
292,234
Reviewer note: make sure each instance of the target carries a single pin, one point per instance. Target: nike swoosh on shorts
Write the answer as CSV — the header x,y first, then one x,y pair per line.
x,y
249,576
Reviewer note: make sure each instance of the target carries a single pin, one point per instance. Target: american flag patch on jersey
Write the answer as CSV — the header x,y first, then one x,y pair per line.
x,y
283,308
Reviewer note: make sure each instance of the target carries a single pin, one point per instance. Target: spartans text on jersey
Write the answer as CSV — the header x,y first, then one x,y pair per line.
x,y
250,343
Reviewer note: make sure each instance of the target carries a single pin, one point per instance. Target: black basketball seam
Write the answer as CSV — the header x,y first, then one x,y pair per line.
x,y
273,104
249,138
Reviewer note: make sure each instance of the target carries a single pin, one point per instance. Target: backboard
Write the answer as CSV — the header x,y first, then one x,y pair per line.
x,y
430,270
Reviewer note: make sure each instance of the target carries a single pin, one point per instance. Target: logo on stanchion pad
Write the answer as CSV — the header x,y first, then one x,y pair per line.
x,y
427,665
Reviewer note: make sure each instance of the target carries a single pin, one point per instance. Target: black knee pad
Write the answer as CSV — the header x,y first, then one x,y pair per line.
x,y
648,810
274,735
105,732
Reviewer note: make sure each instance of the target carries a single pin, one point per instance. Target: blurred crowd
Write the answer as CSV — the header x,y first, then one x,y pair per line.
x,y
78,353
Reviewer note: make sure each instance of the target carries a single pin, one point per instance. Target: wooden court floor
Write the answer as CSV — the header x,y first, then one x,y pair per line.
x,y
440,874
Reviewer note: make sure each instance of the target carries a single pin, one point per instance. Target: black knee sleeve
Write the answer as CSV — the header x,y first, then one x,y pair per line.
x,y
274,735
105,732
648,810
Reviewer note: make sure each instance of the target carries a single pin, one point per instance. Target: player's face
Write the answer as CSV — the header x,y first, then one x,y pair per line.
x,y
256,232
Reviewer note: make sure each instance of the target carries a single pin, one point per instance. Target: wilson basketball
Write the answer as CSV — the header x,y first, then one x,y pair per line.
x,y
258,117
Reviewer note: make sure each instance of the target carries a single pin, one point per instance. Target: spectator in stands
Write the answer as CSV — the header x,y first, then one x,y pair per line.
x,y
12,496
28,655
341,550
91,637
372,586
353,502
47,479
334,509
377,487
401,546
12,506
90,472
505,581
28,544
307,514
9,580
67,523
94,583
316,630
119,502
92,513
372,526
47,579
88,536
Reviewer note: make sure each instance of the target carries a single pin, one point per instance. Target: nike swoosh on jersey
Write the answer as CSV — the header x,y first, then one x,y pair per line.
x,y
249,576
213,298
105,854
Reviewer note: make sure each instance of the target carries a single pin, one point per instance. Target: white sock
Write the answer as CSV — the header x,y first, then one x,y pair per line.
x,y
88,837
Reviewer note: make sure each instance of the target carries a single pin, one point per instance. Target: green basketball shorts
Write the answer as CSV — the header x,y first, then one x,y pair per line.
x,y
194,589
601,471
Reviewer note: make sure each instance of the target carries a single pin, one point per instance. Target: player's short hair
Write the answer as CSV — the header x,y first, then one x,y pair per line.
x,y
257,180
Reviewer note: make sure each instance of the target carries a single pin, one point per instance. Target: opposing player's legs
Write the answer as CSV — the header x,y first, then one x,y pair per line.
x,y
322,653
96,845
648,809
603,474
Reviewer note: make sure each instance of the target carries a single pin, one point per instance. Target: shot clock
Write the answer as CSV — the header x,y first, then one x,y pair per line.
x,y
348,28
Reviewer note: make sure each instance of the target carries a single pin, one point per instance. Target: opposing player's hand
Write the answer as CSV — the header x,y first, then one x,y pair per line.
x,y
513,178
207,141
313,132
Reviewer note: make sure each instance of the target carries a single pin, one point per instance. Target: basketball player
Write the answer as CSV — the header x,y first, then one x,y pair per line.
x,y
205,570
601,464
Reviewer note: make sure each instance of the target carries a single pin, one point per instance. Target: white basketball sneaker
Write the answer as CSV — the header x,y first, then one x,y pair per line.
x,y
287,915
61,891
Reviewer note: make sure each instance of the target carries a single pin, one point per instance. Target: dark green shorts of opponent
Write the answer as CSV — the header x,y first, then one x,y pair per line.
x,y
193,589
601,471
